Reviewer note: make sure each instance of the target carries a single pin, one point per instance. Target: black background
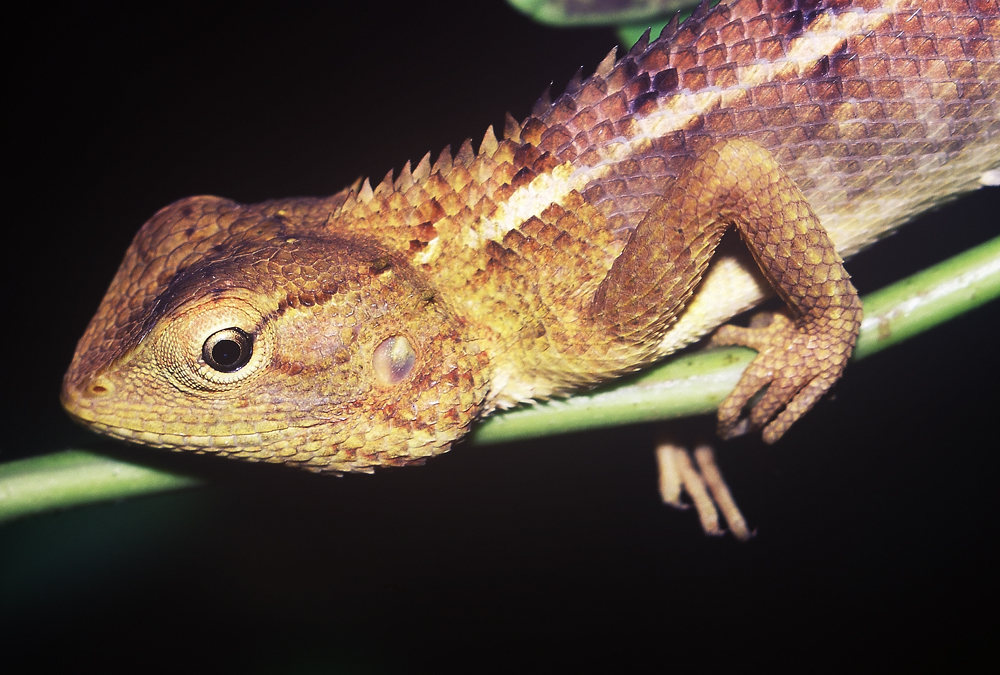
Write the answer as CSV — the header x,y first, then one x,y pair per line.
x,y
876,515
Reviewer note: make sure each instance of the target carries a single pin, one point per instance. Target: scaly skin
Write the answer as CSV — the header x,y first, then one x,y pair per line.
x,y
374,326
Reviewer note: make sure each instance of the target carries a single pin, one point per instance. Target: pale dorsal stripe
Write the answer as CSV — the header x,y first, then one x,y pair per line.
x,y
823,37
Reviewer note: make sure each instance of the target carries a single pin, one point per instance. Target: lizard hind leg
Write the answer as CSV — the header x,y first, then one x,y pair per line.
x,y
737,183
704,485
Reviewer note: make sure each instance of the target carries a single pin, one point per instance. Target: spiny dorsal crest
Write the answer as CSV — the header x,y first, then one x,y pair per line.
x,y
548,116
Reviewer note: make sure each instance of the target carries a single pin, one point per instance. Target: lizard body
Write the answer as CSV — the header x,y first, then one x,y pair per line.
x,y
374,326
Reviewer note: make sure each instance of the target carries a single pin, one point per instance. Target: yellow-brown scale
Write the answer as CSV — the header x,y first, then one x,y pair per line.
x,y
381,322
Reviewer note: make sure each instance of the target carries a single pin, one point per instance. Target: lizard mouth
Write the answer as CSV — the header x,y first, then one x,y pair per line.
x,y
87,404
92,404
83,402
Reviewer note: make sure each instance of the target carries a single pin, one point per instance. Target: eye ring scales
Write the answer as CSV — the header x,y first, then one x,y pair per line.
x,y
228,350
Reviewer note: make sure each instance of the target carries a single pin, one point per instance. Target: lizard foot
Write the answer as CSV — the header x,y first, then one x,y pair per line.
x,y
704,485
797,363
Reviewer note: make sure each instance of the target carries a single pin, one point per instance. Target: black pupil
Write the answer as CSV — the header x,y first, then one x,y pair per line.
x,y
226,352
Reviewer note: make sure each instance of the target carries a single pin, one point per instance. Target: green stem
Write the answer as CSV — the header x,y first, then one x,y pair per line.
x,y
686,385
73,477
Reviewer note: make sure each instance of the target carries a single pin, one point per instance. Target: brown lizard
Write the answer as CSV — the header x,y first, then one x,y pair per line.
x,y
374,326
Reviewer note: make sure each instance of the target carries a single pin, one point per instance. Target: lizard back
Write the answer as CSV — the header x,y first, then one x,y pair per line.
x,y
878,111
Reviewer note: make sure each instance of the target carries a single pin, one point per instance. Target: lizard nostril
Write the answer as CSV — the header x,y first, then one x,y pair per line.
x,y
99,386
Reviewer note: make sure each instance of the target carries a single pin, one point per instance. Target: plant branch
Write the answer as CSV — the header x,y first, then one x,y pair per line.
x,y
685,385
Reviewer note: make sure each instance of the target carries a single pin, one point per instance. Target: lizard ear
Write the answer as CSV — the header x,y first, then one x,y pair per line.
x,y
393,360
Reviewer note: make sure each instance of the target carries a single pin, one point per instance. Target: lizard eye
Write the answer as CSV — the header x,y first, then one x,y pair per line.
x,y
228,350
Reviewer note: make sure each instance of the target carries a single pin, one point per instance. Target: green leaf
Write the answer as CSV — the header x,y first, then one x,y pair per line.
x,y
598,12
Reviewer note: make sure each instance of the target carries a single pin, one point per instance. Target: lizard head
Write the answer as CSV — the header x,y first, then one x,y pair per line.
x,y
236,330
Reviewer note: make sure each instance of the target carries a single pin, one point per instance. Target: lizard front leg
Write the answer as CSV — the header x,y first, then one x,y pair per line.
x,y
737,183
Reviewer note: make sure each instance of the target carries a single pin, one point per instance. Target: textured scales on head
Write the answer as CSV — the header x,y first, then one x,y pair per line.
x,y
247,336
